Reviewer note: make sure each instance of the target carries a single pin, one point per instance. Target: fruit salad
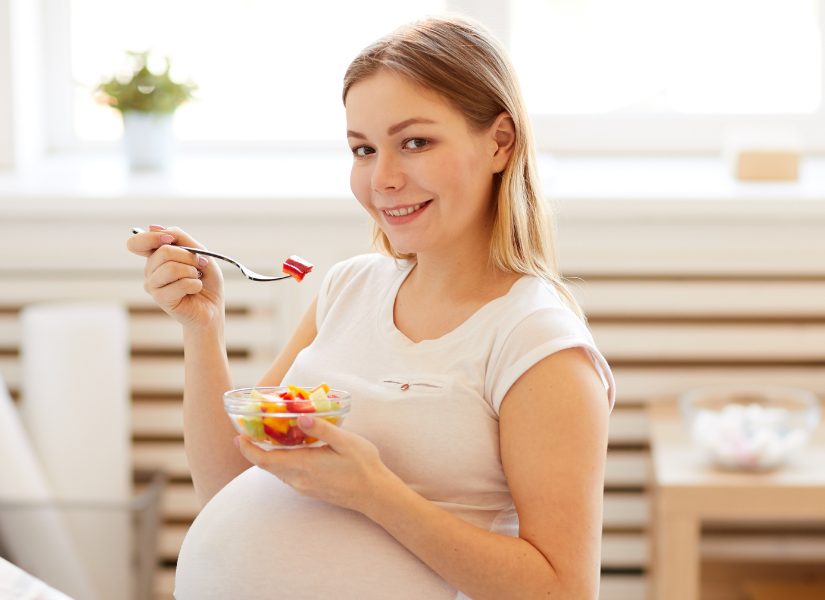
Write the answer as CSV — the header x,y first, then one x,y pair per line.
x,y
297,267
272,419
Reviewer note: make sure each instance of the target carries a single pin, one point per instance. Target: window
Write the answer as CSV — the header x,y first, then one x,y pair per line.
x,y
667,74
598,75
266,70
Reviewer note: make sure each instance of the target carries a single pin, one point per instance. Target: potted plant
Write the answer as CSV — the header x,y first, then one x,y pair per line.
x,y
146,102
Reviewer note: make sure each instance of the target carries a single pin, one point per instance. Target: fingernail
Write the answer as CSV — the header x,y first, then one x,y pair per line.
x,y
306,421
202,261
237,442
157,227
166,239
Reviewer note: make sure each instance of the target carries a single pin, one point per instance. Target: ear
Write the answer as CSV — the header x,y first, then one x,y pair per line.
x,y
503,133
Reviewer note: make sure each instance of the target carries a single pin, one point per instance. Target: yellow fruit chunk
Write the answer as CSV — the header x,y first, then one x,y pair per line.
x,y
332,420
272,407
323,386
277,423
299,392
310,440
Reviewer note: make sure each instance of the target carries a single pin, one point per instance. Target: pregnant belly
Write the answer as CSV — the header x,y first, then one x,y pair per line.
x,y
257,538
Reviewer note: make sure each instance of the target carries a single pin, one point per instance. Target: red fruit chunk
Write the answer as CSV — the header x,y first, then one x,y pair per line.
x,y
300,406
297,267
293,437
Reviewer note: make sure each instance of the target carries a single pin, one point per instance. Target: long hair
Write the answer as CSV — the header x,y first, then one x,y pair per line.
x,y
461,60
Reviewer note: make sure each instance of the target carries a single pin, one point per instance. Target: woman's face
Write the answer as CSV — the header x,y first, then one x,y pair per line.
x,y
418,169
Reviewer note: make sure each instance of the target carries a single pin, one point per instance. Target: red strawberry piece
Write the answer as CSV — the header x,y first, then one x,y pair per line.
x,y
294,437
300,406
276,435
297,267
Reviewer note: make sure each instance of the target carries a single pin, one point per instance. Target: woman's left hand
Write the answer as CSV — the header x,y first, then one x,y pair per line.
x,y
347,472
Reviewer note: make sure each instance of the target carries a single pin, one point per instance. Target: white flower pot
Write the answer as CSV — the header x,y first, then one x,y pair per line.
x,y
147,139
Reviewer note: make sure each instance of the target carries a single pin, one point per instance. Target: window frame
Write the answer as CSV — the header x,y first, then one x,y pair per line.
x,y
563,134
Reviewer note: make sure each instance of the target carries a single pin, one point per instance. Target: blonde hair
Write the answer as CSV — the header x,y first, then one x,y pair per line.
x,y
461,60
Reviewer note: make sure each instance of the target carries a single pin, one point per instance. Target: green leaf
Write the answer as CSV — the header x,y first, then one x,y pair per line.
x,y
145,91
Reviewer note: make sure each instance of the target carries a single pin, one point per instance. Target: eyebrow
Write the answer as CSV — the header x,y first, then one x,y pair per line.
x,y
394,128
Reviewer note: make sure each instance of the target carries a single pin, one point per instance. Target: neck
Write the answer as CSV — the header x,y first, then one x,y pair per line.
x,y
462,271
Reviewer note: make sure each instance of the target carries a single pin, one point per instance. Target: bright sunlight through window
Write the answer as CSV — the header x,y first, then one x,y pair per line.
x,y
266,70
272,70
734,57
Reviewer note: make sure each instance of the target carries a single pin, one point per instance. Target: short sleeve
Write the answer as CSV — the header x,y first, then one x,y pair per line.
x,y
537,336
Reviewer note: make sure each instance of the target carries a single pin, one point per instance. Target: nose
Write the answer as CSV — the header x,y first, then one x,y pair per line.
x,y
388,174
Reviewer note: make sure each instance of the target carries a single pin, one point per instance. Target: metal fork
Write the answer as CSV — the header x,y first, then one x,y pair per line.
x,y
249,273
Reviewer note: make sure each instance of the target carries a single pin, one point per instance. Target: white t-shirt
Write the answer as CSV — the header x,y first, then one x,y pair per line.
x,y
431,408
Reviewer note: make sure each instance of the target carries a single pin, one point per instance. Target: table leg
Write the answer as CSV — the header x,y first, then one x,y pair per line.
x,y
676,568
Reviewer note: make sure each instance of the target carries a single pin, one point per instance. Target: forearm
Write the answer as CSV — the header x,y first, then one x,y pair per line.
x,y
481,564
213,459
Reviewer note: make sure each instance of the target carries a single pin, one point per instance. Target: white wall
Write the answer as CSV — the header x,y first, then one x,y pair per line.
x,y
6,123
23,131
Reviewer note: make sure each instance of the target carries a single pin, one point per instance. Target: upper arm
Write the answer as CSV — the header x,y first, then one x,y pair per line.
x,y
302,337
553,426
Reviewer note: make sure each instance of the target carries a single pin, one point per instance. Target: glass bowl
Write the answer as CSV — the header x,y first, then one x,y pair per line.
x,y
271,422
749,428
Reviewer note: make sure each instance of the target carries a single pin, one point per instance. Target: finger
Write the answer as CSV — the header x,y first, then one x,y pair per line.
x,y
249,450
171,295
275,462
169,272
338,439
143,244
166,253
181,238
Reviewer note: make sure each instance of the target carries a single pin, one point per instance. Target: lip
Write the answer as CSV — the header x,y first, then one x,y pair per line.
x,y
382,208
391,220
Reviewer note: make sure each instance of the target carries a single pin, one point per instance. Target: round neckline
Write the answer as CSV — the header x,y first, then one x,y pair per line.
x,y
386,320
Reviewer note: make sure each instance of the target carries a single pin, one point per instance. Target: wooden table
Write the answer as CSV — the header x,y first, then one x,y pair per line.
x,y
688,491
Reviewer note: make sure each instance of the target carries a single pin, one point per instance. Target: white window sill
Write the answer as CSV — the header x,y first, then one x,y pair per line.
x,y
304,183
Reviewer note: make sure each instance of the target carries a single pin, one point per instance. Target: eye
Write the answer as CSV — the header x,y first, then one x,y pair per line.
x,y
415,143
362,151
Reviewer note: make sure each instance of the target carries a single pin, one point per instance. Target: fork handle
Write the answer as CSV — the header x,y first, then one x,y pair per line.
x,y
208,253
137,230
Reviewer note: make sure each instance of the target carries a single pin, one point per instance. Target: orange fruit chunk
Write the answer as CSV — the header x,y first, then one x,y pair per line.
x,y
277,423
300,392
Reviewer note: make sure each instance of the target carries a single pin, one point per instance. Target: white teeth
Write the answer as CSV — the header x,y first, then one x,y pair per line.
x,y
404,211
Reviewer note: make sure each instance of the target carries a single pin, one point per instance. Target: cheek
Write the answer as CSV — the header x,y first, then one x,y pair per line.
x,y
359,183
465,178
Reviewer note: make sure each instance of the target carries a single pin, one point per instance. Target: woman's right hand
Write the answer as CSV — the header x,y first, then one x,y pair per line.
x,y
172,276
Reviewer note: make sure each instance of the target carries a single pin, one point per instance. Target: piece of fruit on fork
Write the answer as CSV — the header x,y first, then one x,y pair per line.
x,y
297,267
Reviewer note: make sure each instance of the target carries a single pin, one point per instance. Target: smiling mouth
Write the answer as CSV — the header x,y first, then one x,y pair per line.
x,y
406,211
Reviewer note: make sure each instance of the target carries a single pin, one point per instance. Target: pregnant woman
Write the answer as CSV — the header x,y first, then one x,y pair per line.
x,y
472,461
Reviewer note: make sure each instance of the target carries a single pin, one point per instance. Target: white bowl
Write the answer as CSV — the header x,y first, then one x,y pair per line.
x,y
749,428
